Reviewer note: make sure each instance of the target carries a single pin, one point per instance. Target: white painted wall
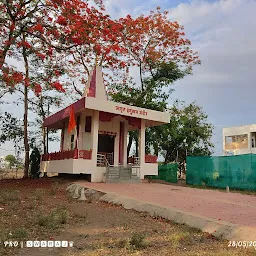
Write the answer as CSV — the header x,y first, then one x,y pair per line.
x,y
114,126
85,138
77,166
90,141
142,143
57,166
155,117
74,166
148,169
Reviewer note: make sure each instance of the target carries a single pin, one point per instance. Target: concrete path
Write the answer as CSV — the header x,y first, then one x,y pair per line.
x,y
232,208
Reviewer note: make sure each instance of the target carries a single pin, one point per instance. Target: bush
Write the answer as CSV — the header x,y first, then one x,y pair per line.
x,y
61,215
34,164
46,221
52,221
19,233
137,240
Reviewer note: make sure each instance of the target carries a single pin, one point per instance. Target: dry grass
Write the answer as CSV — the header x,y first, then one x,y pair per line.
x,y
11,174
41,210
16,174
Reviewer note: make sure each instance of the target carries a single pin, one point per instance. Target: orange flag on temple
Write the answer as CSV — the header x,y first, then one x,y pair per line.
x,y
72,120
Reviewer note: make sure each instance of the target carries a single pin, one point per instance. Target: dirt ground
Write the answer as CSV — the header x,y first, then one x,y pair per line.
x,y
42,210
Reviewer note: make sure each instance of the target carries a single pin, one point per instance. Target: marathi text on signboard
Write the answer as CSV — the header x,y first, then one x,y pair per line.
x,y
131,111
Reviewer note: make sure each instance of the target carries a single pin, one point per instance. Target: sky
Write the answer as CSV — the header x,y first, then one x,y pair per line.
x,y
223,32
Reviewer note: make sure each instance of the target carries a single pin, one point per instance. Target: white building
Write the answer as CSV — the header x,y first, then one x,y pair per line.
x,y
98,145
239,140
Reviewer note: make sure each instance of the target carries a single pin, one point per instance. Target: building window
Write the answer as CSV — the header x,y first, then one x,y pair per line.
x,y
72,146
88,124
236,142
253,136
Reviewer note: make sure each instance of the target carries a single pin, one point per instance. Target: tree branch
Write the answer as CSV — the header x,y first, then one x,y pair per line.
x,y
2,95
83,63
77,90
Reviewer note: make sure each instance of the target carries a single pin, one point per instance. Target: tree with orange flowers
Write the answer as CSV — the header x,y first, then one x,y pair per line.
x,y
154,39
39,30
158,47
53,38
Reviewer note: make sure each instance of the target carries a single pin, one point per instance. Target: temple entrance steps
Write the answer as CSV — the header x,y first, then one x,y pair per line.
x,y
121,174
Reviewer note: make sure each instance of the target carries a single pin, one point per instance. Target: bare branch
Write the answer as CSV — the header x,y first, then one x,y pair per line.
x,y
2,95
77,90
83,63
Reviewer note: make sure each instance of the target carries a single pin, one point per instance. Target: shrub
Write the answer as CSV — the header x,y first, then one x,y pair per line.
x,y
137,240
19,233
61,216
58,216
45,221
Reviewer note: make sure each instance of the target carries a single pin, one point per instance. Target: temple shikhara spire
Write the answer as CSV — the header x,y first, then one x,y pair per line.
x,y
95,86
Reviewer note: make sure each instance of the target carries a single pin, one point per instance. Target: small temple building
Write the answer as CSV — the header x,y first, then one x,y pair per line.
x,y
98,145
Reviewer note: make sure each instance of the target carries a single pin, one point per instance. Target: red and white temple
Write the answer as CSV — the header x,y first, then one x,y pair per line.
x,y
100,138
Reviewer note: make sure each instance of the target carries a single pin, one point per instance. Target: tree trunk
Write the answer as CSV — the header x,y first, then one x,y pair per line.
x,y
25,121
43,128
166,157
26,145
47,130
156,150
3,56
141,79
5,50
129,145
44,140
137,147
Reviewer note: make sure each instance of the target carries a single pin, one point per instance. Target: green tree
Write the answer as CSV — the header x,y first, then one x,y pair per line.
x,y
153,95
34,164
188,133
12,161
11,130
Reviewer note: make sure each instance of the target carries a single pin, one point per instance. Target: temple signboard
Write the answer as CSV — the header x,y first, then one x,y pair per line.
x,y
131,111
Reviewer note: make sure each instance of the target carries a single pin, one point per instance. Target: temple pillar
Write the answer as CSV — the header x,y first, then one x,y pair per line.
x,y
116,149
125,144
142,145
95,135
81,131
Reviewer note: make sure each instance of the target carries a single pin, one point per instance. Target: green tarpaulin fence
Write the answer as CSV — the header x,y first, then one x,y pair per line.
x,y
237,172
166,172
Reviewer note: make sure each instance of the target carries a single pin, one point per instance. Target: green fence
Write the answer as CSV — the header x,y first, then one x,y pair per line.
x,y
166,172
237,172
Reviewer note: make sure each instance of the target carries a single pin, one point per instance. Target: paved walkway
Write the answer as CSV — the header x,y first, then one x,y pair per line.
x,y
230,207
